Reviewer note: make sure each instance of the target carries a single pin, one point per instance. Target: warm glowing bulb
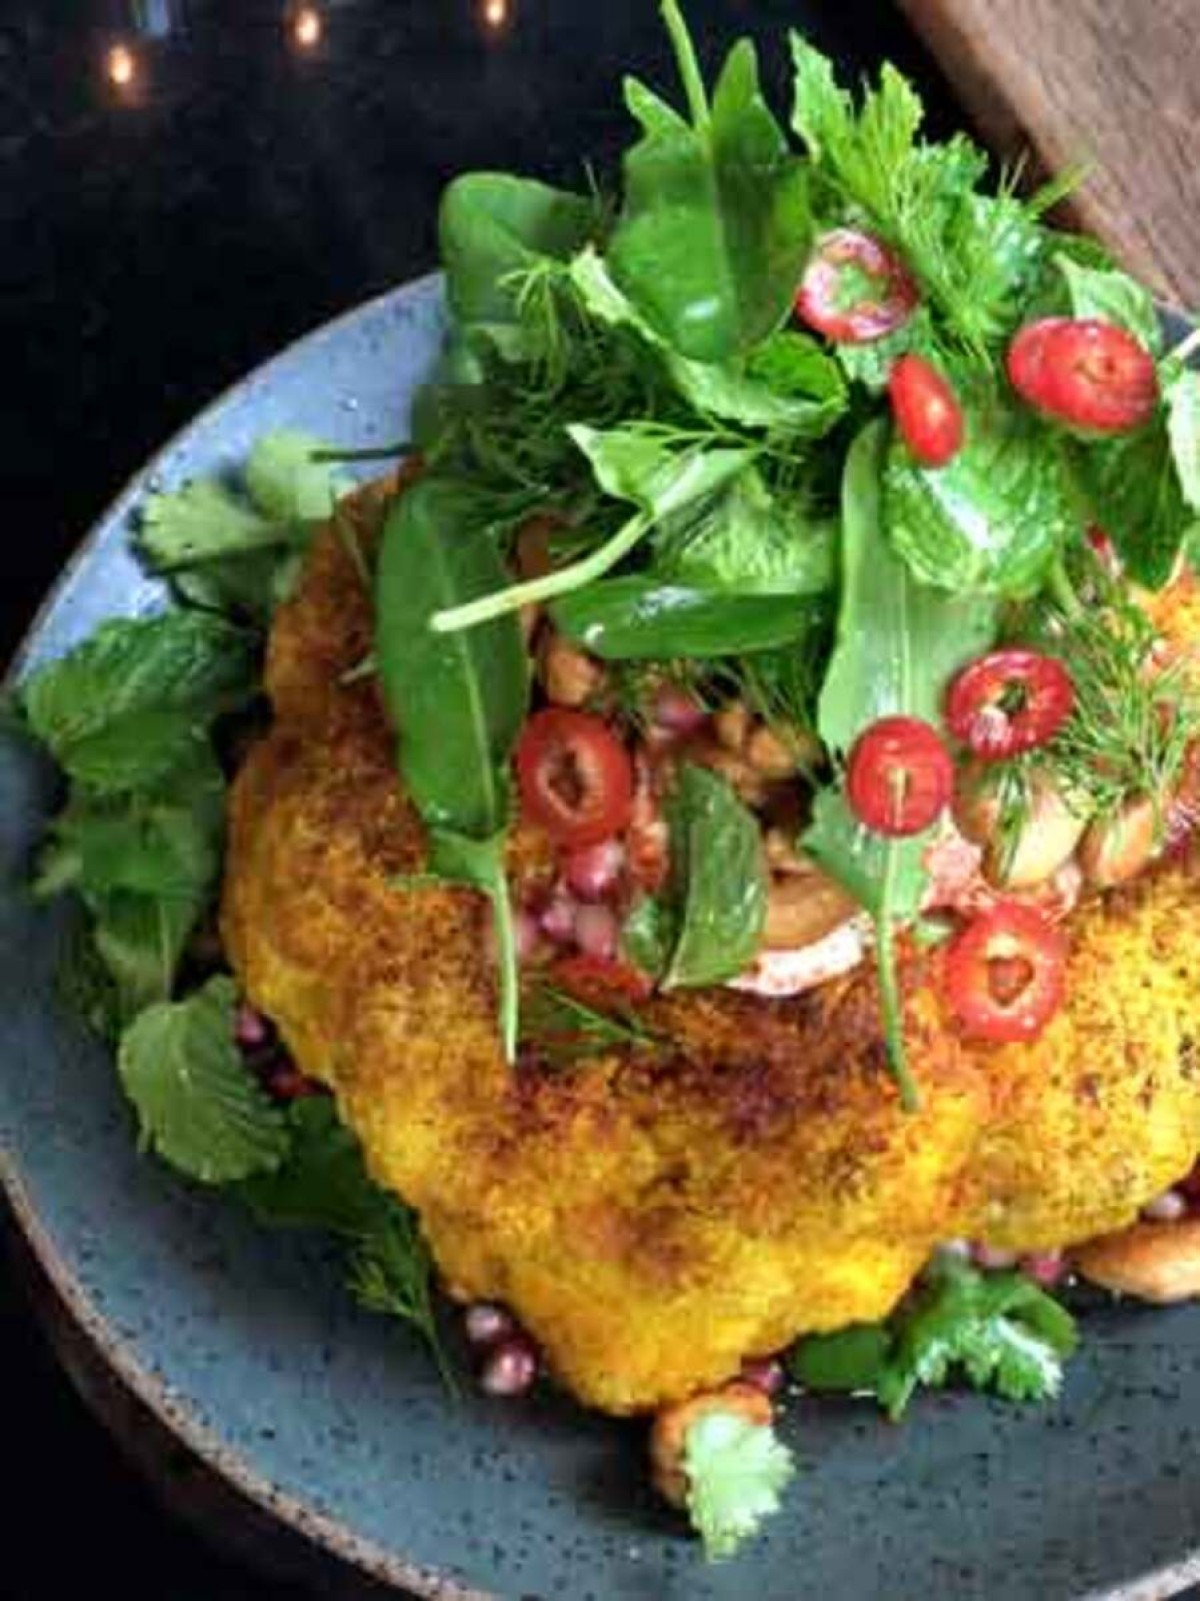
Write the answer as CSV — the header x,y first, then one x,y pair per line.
x,y
308,27
122,66
495,13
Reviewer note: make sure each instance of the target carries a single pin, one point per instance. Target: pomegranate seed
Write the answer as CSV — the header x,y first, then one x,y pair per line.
x,y
510,1368
288,1083
1190,1186
487,1324
558,918
597,931
593,870
250,1027
1044,1268
765,1373
678,711
1168,1207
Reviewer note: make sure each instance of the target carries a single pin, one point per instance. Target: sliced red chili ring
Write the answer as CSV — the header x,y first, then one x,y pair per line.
x,y
855,289
1085,372
1008,702
899,776
1005,974
927,411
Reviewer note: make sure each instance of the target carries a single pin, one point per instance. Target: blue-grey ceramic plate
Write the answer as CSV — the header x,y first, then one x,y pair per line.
x,y
245,1343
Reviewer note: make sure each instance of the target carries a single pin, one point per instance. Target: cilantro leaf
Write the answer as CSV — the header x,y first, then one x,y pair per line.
x,y
999,1330
975,255
134,700
991,521
198,1104
736,1471
241,553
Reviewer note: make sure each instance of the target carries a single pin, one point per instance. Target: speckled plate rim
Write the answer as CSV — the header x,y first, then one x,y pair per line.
x,y
147,1385
371,1558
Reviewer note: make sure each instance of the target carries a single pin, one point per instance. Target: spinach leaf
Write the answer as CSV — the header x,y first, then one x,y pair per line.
x,y
1134,489
715,220
1111,296
458,701
750,540
648,935
991,521
644,618
719,881
198,1104
492,227
787,384
898,643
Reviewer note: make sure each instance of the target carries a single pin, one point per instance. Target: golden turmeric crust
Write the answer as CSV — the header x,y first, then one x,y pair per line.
x,y
653,1218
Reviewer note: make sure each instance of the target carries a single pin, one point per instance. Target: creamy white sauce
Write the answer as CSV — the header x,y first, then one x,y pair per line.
x,y
782,973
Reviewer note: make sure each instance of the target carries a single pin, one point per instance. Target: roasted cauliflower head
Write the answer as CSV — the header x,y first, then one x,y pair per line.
x,y
654,1215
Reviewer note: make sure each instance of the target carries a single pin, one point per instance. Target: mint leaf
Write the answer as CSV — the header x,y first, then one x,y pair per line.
x,y
736,1472
993,520
198,1104
1112,296
133,701
750,540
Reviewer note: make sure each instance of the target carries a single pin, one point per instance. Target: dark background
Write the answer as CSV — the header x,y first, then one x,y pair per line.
x,y
157,240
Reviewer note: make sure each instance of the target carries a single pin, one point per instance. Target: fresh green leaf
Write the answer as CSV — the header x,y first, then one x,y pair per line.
x,y
1134,490
457,700
849,1360
563,1030
975,256
135,699
200,522
1114,297
736,1471
323,1184
899,641
494,227
999,1329
750,541
648,935
719,882
651,468
641,617
1183,426
140,939
786,384
991,521
287,481
715,217
198,1104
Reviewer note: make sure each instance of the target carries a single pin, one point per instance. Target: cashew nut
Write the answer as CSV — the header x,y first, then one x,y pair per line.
x,y
1154,1261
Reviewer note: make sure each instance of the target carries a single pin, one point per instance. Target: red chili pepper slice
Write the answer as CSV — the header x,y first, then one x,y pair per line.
x,y
1005,974
927,411
575,776
1008,702
1084,372
855,289
899,776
